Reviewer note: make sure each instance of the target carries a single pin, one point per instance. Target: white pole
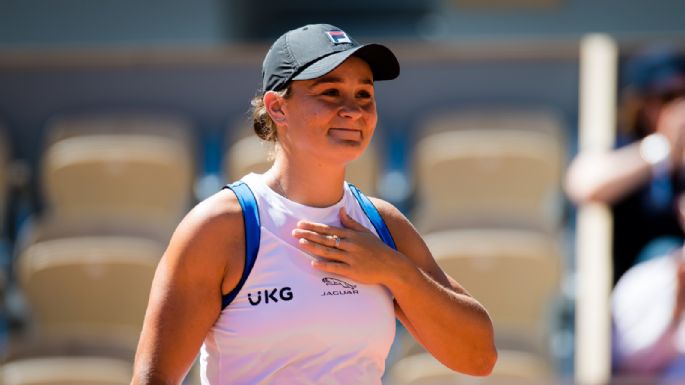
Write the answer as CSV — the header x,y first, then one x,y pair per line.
x,y
597,121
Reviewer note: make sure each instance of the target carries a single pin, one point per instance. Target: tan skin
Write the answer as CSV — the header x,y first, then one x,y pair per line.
x,y
324,124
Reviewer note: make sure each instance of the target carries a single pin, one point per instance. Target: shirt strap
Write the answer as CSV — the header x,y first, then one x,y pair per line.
x,y
374,216
248,203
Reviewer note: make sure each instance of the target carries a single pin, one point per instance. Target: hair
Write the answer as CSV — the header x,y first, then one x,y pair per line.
x,y
642,71
263,125
632,120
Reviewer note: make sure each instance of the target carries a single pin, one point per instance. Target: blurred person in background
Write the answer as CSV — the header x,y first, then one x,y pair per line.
x,y
316,303
647,309
641,177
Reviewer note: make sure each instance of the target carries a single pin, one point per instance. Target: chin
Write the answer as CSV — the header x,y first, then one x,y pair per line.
x,y
345,152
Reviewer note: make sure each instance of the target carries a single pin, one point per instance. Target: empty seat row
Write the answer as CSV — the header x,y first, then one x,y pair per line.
x,y
121,167
500,170
113,188
489,205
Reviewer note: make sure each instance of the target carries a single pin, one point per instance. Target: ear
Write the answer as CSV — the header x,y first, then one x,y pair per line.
x,y
274,106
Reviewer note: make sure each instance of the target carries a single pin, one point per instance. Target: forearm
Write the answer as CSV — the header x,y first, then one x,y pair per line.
x,y
162,362
450,324
606,177
150,378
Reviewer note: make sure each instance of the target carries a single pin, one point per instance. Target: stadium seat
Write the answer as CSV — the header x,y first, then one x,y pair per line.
x,y
247,153
512,368
62,370
123,123
89,289
488,178
51,227
138,168
494,118
515,274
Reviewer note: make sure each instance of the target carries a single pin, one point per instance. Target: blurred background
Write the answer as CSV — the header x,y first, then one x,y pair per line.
x,y
116,117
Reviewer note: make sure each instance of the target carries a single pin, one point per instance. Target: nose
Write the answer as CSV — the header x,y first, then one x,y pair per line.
x,y
350,110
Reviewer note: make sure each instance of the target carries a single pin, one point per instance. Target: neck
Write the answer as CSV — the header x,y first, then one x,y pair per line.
x,y
310,183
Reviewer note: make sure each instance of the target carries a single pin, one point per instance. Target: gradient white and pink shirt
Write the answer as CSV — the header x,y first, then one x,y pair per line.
x,y
290,324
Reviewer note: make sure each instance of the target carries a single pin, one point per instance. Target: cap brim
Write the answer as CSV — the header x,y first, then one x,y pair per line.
x,y
383,63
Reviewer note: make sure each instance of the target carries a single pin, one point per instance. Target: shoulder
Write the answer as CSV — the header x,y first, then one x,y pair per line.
x,y
212,215
644,287
403,232
210,238
408,240
393,217
646,277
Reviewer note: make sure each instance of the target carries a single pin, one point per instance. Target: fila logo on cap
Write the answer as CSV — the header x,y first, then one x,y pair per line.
x,y
338,37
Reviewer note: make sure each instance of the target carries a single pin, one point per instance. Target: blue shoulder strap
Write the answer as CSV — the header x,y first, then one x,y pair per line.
x,y
252,234
374,216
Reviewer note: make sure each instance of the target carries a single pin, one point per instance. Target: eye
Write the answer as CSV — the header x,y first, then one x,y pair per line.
x,y
364,94
331,92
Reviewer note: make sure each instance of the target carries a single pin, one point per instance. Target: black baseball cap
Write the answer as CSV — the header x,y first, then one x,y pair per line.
x,y
653,69
314,50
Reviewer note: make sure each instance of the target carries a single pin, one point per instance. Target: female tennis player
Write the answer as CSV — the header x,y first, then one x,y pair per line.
x,y
294,276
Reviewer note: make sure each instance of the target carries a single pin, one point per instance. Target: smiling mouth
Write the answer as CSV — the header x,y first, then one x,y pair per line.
x,y
347,134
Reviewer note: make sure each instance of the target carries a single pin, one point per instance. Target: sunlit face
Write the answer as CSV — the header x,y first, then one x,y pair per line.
x,y
331,118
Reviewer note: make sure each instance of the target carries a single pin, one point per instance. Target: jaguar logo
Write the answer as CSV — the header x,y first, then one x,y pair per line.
x,y
347,288
334,281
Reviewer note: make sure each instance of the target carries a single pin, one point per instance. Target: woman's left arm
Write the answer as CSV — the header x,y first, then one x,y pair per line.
x,y
453,326
440,314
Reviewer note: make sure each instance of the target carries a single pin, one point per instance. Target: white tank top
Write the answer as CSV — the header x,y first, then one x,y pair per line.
x,y
290,324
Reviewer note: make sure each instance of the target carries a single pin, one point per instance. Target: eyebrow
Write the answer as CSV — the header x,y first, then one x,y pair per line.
x,y
335,79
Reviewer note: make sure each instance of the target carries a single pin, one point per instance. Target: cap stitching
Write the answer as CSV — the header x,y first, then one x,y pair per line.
x,y
290,53
311,63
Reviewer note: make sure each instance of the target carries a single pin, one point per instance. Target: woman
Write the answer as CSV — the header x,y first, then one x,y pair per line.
x,y
642,176
282,278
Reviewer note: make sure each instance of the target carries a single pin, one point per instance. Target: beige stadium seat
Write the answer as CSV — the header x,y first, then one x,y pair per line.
x,y
66,371
51,227
90,289
512,368
515,274
488,178
248,154
138,168
493,118
123,123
